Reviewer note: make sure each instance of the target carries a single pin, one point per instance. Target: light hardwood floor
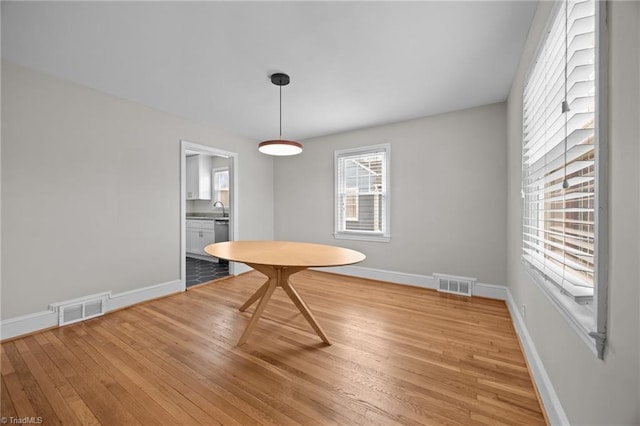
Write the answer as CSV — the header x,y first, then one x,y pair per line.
x,y
400,355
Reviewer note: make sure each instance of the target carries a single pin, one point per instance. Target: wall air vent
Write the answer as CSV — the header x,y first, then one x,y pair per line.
x,y
455,285
80,309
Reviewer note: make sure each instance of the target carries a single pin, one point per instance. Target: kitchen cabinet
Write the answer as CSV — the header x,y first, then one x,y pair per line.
x,y
199,177
199,234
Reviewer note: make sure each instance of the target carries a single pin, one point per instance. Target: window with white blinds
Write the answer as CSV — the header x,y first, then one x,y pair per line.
x,y
559,154
361,193
561,173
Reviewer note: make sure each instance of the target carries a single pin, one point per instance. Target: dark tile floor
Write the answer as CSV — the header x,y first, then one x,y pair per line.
x,y
201,271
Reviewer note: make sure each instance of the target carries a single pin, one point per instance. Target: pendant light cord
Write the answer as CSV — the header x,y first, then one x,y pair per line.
x,y
280,112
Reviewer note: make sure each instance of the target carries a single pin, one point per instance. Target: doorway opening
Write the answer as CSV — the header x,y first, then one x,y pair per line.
x,y
209,210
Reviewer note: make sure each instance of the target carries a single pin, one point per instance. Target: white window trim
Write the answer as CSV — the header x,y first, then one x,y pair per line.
x,y
590,321
364,235
580,317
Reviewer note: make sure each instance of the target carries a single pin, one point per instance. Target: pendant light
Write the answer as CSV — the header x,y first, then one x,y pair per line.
x,y
280,147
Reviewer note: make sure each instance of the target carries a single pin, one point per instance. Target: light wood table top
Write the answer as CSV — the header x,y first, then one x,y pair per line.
x,y
278,260
284,253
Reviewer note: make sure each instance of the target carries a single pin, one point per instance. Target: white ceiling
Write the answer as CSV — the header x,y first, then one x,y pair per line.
x,y
352,64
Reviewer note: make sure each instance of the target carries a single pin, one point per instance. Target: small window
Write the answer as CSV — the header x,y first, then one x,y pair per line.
x,y
221,185
361,193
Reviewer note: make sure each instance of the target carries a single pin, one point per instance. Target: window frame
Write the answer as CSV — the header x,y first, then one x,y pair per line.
x,y
215,193
385,234
589,321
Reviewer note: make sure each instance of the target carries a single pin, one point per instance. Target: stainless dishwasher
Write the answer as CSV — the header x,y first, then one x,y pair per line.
x,y
221,233
221,230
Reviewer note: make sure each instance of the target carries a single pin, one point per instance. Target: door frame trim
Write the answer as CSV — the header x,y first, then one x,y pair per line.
x,y
233,195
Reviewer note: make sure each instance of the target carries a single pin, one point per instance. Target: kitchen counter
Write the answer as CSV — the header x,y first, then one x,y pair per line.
x,y
205,216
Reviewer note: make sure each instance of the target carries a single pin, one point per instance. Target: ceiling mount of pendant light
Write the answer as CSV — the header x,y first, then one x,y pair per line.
x,y
280,147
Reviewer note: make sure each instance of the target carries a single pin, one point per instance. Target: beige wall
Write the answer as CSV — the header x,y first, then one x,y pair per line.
x,y
591,391
91,191
448,203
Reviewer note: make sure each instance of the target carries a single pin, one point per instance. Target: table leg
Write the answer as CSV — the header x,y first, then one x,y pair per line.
x,y
277,277
255,296
304,309
266,295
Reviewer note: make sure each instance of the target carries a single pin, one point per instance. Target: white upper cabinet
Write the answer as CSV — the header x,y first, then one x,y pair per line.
x,y
199,177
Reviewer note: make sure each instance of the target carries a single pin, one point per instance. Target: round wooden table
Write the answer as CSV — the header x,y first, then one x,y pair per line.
x,y
278,260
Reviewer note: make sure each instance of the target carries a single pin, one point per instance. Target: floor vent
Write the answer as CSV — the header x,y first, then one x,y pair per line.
x,y
454,285
80,310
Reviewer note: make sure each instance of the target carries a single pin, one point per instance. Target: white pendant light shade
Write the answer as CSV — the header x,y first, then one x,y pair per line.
x,y
280,147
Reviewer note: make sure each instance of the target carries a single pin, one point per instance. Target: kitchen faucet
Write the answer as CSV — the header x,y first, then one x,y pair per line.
x,y
222,204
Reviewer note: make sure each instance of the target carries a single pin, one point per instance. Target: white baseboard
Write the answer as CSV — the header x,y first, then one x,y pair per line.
x,y
550,400
383,275
25,324
491,291
131,297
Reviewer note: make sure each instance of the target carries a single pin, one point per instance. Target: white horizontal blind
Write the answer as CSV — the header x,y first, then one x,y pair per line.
x,y
559,152
361,191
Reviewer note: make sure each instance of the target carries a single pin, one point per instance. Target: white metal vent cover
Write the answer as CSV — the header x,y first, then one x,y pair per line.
x,y
80,309
454,284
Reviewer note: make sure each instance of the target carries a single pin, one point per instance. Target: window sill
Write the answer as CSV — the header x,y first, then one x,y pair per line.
x,y
579,316
362,237
580,295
